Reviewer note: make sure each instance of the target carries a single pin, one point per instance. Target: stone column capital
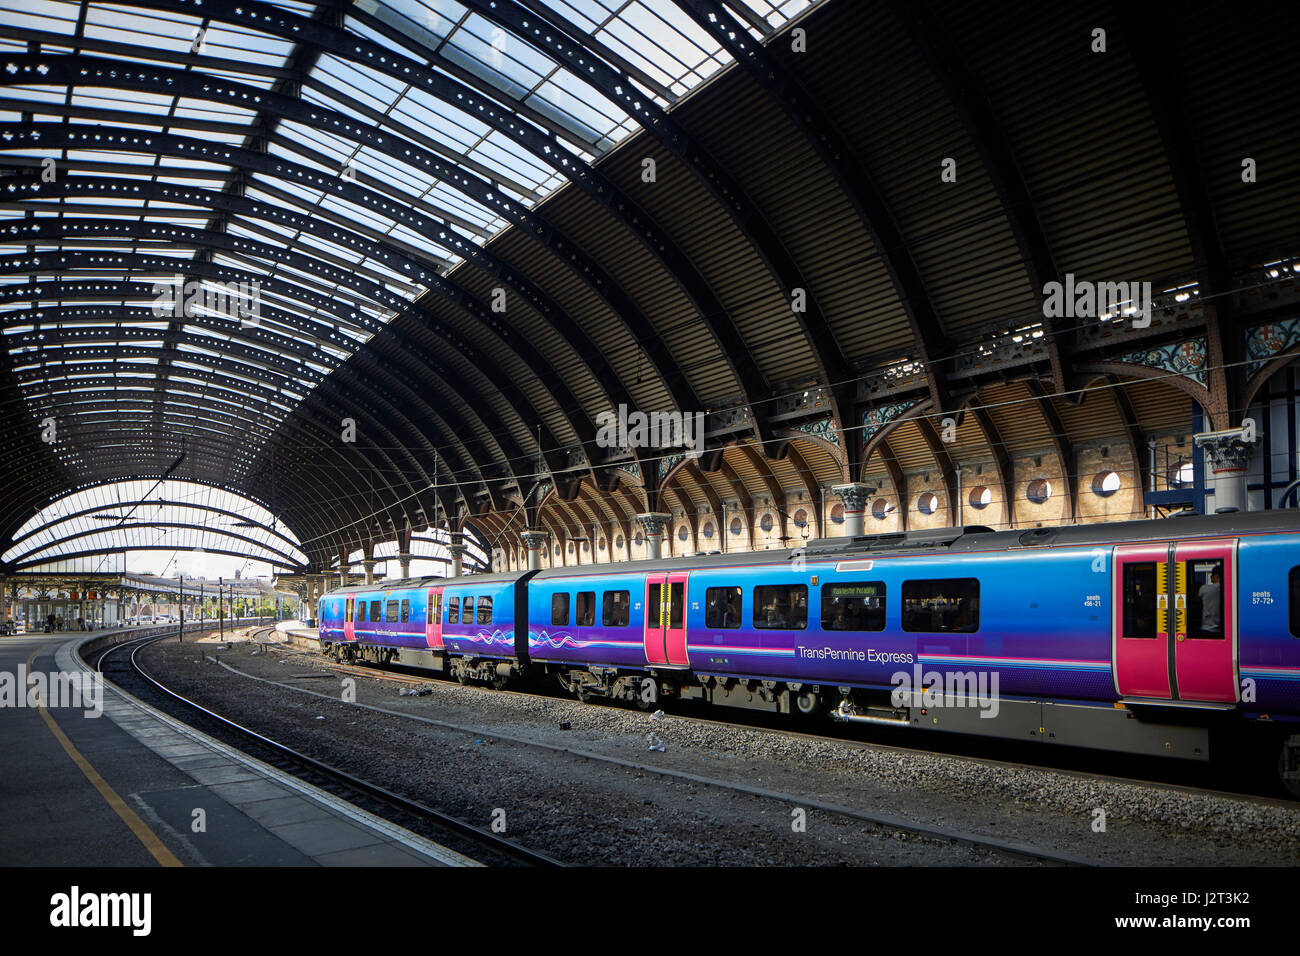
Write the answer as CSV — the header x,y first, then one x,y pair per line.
x,y
653,523
1226,452
854,494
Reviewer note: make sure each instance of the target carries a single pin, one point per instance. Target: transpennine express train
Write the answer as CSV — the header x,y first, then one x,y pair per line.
x,y
1151,637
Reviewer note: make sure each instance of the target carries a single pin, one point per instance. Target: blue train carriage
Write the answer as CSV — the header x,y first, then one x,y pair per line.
x,y
589,627
1144,637
463,627
484,627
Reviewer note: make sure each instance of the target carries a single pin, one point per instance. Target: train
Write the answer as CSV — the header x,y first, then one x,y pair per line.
x,y
1157,637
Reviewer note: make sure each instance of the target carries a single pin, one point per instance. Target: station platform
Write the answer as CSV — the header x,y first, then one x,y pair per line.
x,y
134,787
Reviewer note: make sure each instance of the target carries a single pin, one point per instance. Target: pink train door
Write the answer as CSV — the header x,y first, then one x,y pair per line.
x,y
1205,625
665,620
1140,629
350,618
433,618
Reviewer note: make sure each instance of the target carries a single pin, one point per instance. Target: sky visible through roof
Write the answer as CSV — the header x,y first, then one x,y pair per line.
x,y
322,296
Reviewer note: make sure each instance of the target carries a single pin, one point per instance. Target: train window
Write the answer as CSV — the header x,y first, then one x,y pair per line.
x,y
1204,589
950,605
585,609
467,611
361,612
1293,601
406,611
614,611
350,609
1139,599
783,606
559,609
453,610
433,610
856,606
676,602
722,607
654,605
485,610
375,613
390,612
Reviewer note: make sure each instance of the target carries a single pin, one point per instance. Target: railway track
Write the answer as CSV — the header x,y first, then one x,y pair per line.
x,y
124,670
1169,775
1010,848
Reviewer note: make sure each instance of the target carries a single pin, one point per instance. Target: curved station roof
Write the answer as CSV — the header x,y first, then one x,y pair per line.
x,y
379,266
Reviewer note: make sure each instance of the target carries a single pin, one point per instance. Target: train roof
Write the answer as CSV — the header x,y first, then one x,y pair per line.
x,y
933,541
429,580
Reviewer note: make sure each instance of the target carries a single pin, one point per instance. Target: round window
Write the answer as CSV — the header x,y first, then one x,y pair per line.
x,y
881,509
837,514
980,496
1039,490
766,523
708,529
736,526
927,503
1105,484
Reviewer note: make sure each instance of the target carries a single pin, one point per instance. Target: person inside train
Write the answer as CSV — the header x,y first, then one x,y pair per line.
x,y
1211,596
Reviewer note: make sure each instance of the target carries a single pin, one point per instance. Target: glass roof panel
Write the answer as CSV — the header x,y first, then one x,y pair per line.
x,y
306,304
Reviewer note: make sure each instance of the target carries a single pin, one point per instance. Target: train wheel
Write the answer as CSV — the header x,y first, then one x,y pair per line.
x,y
808,703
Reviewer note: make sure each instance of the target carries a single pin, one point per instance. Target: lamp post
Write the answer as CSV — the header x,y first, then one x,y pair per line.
x,y
220,614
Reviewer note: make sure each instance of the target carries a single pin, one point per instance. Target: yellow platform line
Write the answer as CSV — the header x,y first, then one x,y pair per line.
x,y
151,842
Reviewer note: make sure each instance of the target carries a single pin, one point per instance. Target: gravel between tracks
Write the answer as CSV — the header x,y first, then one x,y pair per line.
x,y
586,812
